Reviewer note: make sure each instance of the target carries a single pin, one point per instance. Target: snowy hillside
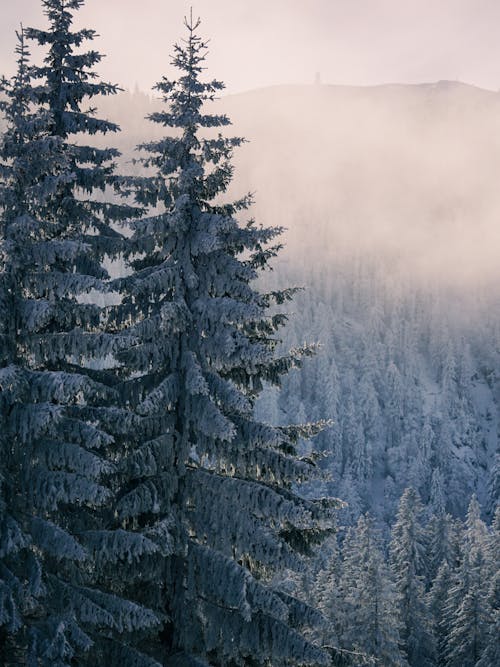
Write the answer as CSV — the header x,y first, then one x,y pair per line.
x,y
410,365
409,373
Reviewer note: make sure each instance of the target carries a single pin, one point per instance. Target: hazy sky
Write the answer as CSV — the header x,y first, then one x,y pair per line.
x,y
263,42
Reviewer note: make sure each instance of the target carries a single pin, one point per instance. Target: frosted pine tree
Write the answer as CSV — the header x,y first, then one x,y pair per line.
x,y
467,638
16,599
438,543
437,601
58,605
407,560
468,609
475,536
369,598
493,545
326,584
214,483
494,485
491,653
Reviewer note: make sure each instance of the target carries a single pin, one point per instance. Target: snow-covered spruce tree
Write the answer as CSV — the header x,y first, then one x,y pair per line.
x,y
438,543
437,601
58,607
475,537
468,610
214,483
15,598
493,546
494,485
491,653
467,638
325,588
369,598
407,561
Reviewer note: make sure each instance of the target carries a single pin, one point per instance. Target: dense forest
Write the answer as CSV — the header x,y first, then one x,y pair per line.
x,y
408,372
233,444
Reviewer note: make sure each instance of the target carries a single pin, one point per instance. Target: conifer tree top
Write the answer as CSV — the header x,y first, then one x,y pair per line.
x,y
206,344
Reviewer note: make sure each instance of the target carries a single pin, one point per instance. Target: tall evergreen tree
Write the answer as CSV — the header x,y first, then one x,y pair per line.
x,y
475,536
369,598
467,638
407,560
213,482
57,605
16,170
438,543
494,485
437,600
468,610
326,588
493,545
491,653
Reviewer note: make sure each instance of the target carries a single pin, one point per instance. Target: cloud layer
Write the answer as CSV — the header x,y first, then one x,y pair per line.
x,y
287,41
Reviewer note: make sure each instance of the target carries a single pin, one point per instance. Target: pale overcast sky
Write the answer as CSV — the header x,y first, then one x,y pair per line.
x,y
264,42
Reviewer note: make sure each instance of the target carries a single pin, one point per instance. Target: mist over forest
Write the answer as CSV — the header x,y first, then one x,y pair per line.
x,y
246,430
407,171
390,203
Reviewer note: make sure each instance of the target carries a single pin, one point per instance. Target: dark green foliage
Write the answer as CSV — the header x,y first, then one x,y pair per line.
x,y
203,343
57,393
